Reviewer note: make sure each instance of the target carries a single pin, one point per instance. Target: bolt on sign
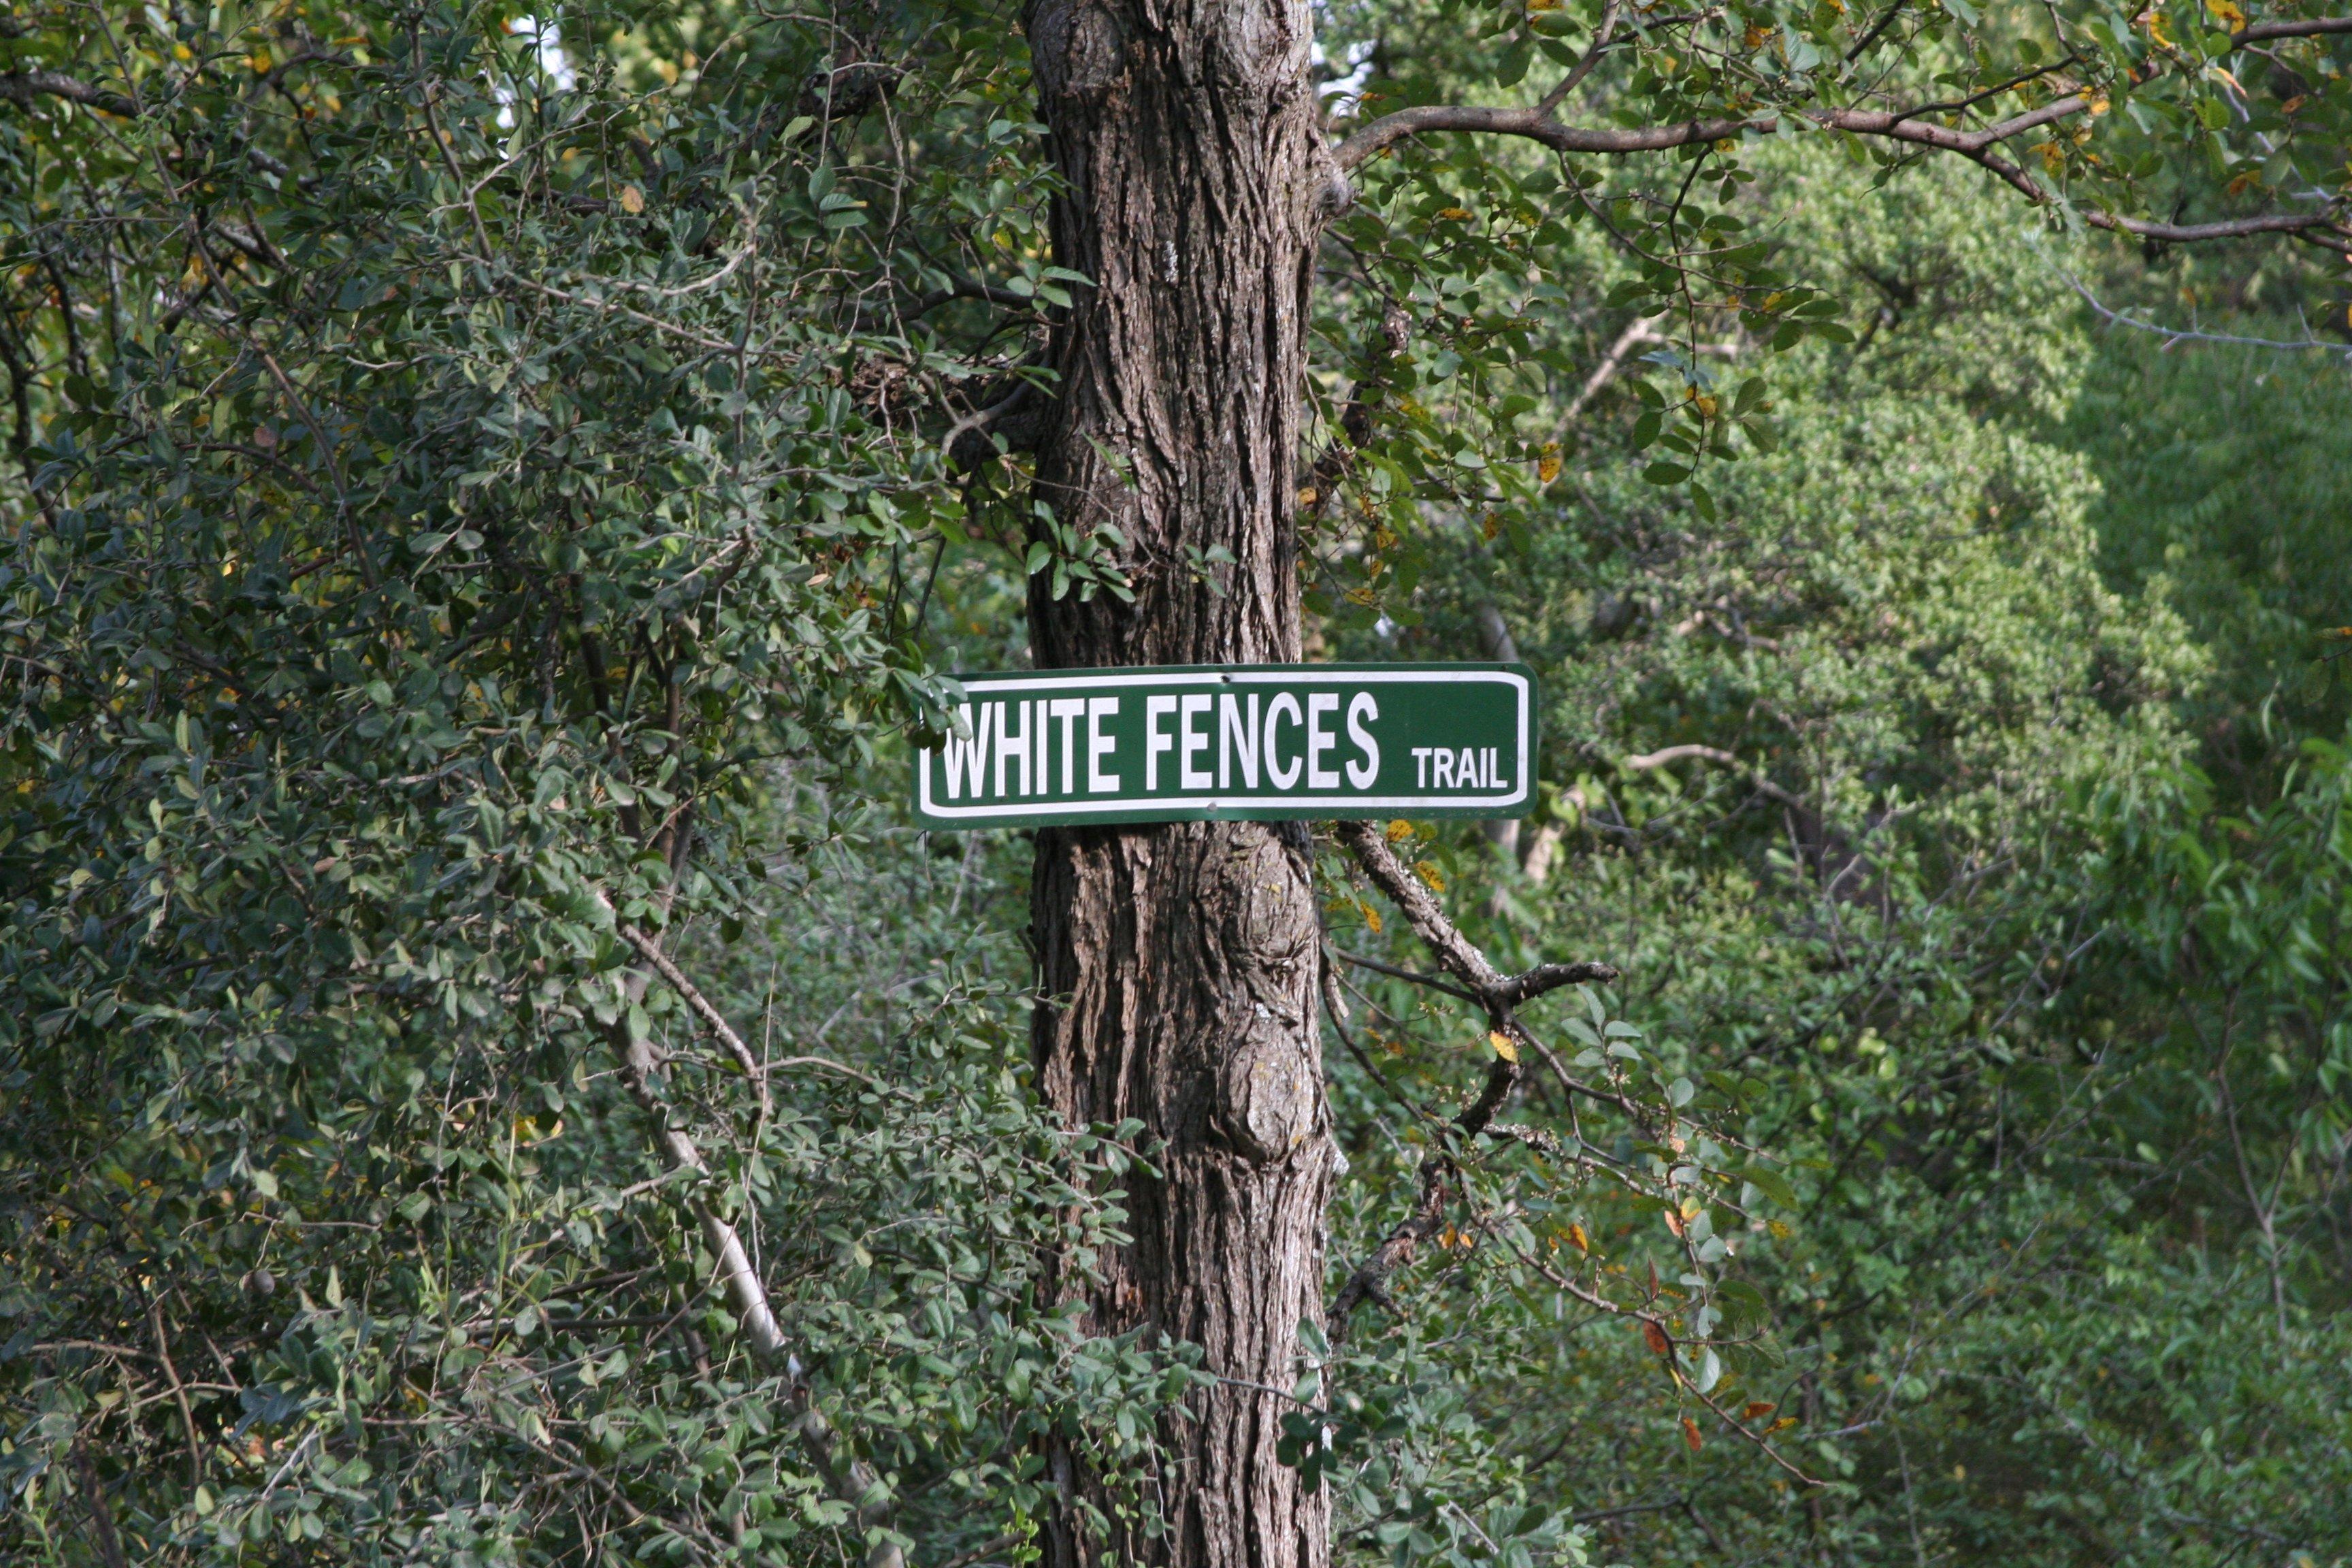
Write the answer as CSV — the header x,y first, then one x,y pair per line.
x,y
1234,742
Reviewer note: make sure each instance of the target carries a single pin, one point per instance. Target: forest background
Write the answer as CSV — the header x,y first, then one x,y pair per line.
x,y
410,601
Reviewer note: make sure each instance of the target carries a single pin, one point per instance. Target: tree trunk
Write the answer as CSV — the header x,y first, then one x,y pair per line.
x,y
1182,959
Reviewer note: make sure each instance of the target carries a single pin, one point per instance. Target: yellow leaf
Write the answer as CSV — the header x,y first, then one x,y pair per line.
x,y
1782,1425
1780,1229
1503,1045
2227,13
1454,215
632,200
1578,1239
1548,464
2156,27
1371,916
1308,496
1430,874
1705,405
1756,36
1400,830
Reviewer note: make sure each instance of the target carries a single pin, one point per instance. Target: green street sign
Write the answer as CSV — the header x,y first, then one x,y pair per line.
x,y
1234,742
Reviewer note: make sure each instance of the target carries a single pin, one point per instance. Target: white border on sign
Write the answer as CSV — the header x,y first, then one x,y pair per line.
x,y
1262,676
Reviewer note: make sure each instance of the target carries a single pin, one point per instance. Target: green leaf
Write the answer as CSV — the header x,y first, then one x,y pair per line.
x,y
1772,1183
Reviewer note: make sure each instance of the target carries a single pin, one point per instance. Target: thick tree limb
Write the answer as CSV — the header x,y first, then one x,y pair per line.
x,y
1370,1279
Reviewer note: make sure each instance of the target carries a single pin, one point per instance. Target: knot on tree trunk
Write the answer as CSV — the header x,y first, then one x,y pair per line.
x,y
1075,48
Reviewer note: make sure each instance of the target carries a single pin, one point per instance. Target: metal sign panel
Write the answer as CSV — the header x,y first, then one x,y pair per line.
x,y
1234,742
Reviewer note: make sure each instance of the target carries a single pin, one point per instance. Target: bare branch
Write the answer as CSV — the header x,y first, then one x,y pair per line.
x,y
703,1009
962,287
1368,1282
25,88
1487,987
1536,124
1977,146
745,1291
1602,38
2175,335
1645,761
1455,953
2232,229
1639,331
1491,990
1432,980
2263,30
1543,977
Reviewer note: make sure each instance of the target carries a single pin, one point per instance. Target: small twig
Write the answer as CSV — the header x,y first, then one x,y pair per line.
x,y
102,1513
982,1550
1432,980
2172,335
179,1392
1601,40
1755,1437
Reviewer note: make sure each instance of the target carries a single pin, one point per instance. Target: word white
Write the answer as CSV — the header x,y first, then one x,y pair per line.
x,y
1473,767
967,755
1014,745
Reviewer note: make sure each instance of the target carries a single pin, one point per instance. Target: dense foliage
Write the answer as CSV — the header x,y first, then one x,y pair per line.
x,y
487,502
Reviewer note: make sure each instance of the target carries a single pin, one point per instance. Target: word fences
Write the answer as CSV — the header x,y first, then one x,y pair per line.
x,y
1258,742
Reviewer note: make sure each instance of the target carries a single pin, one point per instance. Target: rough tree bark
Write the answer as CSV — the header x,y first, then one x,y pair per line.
x,y
1186,956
